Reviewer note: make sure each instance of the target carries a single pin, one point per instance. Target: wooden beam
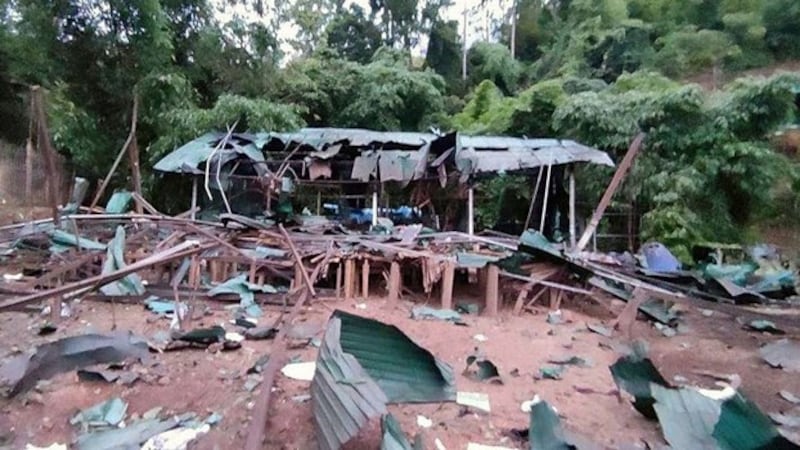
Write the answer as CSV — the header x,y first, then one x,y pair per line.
x,y
114,166
492,290
299,261
43,139
470,212
349,275
394,281
551,284
133,155
533,197
616,181
178,252
447,284
365,279
339,280
572,237
546,197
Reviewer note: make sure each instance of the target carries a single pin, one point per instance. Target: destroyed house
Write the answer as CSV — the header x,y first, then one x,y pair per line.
x,y
353,172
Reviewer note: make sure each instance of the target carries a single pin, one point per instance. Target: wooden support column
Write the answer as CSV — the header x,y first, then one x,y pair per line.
x,y
194,198
375,207
447,285
339,280
619,176
546,197
572,237
349,279
394,281
492,289
298,276
470,212
365,279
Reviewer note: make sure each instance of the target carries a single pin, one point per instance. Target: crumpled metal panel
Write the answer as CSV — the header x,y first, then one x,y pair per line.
x,y
344,397
318,138
189,157
504,154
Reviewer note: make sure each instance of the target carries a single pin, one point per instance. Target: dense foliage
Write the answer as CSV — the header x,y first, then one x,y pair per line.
x,y
594,70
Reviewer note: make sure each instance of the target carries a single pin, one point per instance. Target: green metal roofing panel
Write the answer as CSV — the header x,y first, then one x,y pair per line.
x,y
189,157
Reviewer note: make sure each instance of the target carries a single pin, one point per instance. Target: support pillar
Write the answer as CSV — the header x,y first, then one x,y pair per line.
x,y
572,237
492,290
546,196
349,279
470,212
375,207
394,281
447,285
194,198
365,279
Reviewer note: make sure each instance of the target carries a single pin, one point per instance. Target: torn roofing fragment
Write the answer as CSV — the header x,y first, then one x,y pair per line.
x,y
697,418
636,374
131,284
23,371
406,372
783,353
364,364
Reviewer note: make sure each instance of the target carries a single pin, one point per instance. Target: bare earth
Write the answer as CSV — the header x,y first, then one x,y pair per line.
x,y
203,382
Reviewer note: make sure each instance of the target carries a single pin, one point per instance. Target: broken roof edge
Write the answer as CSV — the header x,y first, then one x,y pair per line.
x,y
470,155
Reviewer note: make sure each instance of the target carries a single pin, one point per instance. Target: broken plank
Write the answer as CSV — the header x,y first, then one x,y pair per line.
x,y
492,290
179,251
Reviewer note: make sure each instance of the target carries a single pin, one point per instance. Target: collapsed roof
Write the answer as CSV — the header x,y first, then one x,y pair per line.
x,y
363,155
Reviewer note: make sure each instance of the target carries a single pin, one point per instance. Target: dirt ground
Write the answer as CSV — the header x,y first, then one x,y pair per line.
x,y
203,382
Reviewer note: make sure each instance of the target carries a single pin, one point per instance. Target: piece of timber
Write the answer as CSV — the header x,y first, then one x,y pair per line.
x,y
299,261
551,284
182,250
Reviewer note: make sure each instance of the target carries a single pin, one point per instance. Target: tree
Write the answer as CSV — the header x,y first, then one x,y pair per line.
x,y
489,61
781,19
353,36
444,51
311,18
689,51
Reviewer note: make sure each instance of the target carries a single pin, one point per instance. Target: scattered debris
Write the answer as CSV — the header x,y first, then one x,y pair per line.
x,y
108,414
484,370
246,292
393,436
428,313
786,420
23,371
389,367
480,338
599,329
467,308
424,422
783,354
789,397
303,371
54,446
551,372
636,374
175,439
474,446
765,326
555,317
477,400
571,360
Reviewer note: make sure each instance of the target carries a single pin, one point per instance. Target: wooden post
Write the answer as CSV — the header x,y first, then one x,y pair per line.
x,y
121,153
29,171
298,276
339,280
546,196
470,212
319,202
533,197
349,268
394,281
447,285
619,175
43,139
572,237
365,279
492,289
194,198
133,154
375,207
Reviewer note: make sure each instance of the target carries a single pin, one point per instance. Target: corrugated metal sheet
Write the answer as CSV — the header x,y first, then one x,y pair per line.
x,y
189,157
344,397
354,137
364,364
